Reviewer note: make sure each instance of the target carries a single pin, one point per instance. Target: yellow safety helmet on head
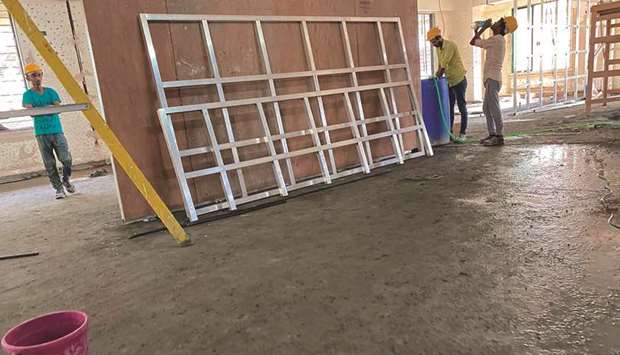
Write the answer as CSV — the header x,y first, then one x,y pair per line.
x,y
511,24
432,33
31,68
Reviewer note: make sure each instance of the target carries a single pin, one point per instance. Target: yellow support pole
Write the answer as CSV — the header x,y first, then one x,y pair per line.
x,y
21,17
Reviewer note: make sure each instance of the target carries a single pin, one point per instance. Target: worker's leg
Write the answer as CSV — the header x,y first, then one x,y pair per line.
x,y
493,88
485,109
452,103
461,90
49,161
64,155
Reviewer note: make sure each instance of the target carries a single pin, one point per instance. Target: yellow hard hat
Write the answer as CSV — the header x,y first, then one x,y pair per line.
x,y
432,33
32,68
511,24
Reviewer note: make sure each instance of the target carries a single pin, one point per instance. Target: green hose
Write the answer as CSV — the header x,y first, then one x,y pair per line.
x,y
443,116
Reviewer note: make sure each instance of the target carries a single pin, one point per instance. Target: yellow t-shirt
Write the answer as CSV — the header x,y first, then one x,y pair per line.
x,y
450,59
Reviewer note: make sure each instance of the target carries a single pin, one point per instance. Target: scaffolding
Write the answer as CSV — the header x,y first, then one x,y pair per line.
x,y
550,48
606,18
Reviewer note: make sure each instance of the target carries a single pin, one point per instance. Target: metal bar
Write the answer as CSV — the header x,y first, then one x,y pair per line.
x,y
569,16
317,88
49,110
177,164
577,50
423,140
237,18
276,76
272,150
514,67
222,98
555,53
388,78
17,256
271,158
396,144
317,142
280,98
530,59
150,50
220,161
239,201
45,49
272,90
358,97
541,81
356,134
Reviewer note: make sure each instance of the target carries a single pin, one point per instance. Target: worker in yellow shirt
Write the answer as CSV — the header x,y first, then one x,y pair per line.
x,y
451,65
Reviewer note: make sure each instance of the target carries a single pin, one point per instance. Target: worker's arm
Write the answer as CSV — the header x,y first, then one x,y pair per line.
x,y
27,100
441,59
55,97
475,41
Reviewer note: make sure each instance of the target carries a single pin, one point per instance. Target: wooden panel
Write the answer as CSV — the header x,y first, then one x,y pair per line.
x,y
130,99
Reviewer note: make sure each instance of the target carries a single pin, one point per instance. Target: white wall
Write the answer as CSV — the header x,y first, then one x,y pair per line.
x,y
18,150
454,17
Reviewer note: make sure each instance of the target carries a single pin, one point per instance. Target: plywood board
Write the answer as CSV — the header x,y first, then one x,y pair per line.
x,y
130,99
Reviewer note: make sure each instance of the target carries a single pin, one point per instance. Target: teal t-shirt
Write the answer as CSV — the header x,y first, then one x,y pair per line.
x,y
43,124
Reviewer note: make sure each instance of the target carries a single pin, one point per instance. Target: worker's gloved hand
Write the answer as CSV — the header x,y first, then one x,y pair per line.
x,y
440,73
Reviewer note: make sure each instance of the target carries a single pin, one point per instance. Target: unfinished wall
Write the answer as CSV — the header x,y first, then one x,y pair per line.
x,y
454,17
18,149
129,94
506,9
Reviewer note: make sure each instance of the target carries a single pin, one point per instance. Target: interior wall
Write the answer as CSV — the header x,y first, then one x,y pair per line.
x,y
19,153
455,17
130,99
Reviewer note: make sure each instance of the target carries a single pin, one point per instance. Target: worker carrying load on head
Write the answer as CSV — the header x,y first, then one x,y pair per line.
x,y
451,65
48,130
495,47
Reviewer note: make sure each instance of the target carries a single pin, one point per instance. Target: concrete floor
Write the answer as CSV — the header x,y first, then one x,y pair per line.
x,y
474,251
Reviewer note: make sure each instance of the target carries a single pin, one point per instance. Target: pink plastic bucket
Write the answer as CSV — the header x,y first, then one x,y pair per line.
x,y
58,333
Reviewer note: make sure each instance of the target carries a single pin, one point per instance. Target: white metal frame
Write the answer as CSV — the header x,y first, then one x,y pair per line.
x,y
577,78
357,120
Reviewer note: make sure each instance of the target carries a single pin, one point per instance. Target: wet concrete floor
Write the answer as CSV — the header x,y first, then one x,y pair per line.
x,y
474,251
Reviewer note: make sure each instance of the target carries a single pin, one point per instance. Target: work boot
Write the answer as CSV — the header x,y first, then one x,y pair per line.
x,y
486,139
60,193
460,139
495,141
69,186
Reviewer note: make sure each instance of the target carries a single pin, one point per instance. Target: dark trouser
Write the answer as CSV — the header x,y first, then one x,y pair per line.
x,y
457,95
48,144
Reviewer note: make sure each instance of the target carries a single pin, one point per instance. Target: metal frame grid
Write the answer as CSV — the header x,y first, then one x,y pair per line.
x,y
578,78
356,123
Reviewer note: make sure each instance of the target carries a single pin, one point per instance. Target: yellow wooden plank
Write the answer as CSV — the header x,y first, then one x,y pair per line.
x,y
21,17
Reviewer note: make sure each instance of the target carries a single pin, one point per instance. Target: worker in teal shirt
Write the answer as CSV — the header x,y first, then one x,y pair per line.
x,y
48,131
